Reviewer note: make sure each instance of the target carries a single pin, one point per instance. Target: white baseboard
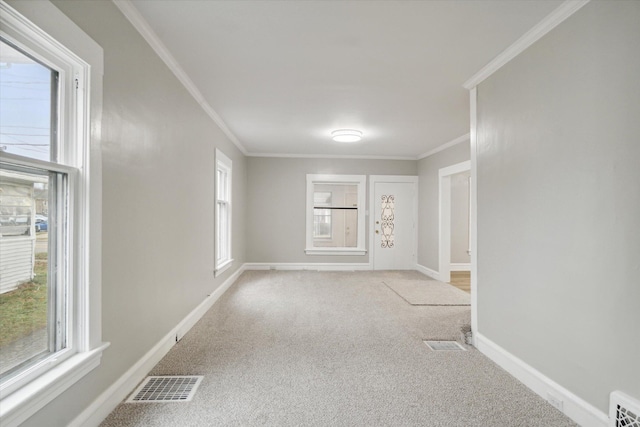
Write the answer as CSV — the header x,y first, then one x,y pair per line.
x,y
580,411
317,266
95,413
429,272
459,266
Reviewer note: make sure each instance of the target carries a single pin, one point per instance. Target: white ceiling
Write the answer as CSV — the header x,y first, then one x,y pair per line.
x,y
283,74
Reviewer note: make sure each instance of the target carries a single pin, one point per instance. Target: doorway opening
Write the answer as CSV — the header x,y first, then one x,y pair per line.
x,y
454,223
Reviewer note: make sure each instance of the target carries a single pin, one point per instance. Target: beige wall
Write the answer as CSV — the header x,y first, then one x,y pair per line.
x,y
559,203
277,203
428,203
158,206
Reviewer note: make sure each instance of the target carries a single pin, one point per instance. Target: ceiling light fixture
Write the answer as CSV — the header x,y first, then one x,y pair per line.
x,y
346,135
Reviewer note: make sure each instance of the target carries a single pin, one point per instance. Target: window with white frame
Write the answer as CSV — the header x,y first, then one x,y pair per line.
x,y
49,336
223,212
335,214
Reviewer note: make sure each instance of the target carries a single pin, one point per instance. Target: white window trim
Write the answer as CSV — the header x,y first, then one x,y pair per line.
x,y
45,29
361,182
223,162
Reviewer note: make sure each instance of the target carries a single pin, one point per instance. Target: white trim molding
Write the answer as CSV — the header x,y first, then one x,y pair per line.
x,y
560,14
139,23
444,217
329,156
460,266
444,146
473,209
454,169
331,251
580,411
428,272
56,381
313,266
100,408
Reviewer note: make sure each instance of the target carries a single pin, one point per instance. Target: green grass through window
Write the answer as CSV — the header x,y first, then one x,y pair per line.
x,y
24,310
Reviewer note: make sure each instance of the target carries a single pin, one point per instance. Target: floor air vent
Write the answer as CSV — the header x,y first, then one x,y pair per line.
x,y
444,346
624,411
166,389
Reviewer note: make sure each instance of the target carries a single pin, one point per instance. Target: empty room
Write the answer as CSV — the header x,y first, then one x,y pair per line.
x,y
319,213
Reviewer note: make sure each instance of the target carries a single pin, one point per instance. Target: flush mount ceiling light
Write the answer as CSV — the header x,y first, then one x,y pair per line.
x,y
346,135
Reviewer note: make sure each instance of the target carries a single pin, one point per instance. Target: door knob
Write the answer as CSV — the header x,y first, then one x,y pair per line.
x,y
377,232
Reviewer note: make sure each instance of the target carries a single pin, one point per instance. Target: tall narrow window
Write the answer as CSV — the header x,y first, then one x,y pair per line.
x,y
335,214
33,214
223,212
49,281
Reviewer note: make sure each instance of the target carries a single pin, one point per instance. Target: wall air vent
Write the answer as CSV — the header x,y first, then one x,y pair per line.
x,y
166,389
624,411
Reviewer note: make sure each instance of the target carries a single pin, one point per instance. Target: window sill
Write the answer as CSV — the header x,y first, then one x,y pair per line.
x,y
223,267
23,403
336,251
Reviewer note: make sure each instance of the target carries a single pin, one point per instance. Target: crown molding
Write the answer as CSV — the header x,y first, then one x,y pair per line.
x,y
560,14
139,23
456,141
444,146
328,156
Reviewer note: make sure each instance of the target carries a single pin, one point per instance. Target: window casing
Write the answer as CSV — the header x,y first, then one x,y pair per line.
x,y
54,176
223,212
335,222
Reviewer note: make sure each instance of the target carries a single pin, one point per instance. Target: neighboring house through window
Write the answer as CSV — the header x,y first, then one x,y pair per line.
x,y
223,212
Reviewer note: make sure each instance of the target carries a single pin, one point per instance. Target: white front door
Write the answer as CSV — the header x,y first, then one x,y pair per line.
x,y
394,222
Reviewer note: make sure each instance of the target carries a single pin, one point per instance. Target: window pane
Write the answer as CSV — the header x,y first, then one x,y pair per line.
x,y
222,247
336,229
27,105
219,190
335,215
351,229
322,198
335,195
223,210
28,293
322,223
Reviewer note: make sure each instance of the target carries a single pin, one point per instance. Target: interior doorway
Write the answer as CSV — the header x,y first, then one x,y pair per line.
x,y
449,179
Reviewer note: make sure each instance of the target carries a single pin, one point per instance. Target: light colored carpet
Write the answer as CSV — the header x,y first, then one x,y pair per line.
x,y
428,292
333,349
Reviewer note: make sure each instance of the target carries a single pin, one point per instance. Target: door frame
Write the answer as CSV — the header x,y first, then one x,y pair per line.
x,y
392,179
444,217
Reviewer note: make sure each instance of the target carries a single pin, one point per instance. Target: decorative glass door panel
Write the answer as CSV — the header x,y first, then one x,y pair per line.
x,y
387,219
